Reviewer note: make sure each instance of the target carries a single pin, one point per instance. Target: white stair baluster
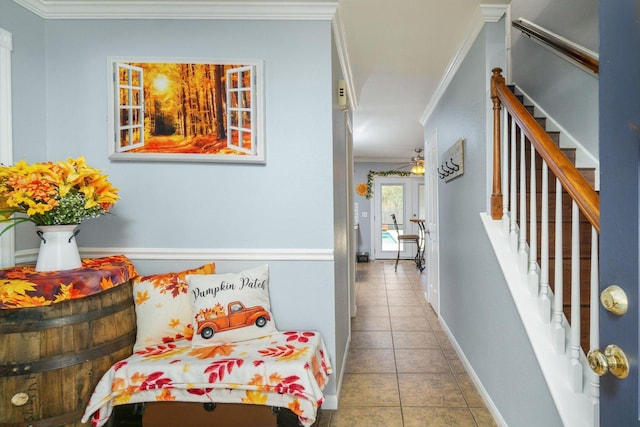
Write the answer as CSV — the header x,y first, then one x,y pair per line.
x,y
545,299
533,227
576,370
504,173
558,330
513,202
522,243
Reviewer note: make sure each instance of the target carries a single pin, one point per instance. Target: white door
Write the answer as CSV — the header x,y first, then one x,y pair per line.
x,y
7,245
399,196
431,222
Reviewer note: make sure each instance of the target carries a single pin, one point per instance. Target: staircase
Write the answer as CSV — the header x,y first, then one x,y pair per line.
x,y
585,238
547,244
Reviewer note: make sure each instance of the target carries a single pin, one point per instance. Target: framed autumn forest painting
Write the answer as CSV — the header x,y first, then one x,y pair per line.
x,y
187,110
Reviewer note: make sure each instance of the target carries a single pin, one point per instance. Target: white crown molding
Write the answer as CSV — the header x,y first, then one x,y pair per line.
x,y
177,9
484,13
493,12
381,160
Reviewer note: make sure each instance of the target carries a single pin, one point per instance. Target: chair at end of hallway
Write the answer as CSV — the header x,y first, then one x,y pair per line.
x,y
405,238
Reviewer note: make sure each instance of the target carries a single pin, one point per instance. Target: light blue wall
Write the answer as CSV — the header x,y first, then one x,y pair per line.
x,y
28,73
342,219
475,302
203,204
60,92
568,94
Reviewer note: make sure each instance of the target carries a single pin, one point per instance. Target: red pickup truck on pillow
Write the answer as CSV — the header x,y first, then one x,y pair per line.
x,y
239,316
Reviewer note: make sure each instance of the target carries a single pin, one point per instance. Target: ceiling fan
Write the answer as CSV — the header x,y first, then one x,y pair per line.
x,y
416,164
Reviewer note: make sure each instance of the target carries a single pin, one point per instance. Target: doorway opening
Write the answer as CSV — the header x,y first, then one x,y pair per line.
x,y
404,197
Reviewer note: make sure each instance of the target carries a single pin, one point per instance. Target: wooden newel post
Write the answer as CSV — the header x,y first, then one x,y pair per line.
x,y
496,195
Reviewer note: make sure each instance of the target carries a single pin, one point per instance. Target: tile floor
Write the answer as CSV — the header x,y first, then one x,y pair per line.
x,y
402,370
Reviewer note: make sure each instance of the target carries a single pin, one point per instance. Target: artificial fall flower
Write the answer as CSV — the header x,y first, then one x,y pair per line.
x,y
66,192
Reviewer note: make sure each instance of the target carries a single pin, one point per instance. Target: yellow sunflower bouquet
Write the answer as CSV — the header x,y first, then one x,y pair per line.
x,y
66,192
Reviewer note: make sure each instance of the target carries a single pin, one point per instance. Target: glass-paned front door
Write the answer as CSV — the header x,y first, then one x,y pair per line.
x,y
400,196
392,202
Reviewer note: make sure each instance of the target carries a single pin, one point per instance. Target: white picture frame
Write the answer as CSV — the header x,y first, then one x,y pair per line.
x,y
190,110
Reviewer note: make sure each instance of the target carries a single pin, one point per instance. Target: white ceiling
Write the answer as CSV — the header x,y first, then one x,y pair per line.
x,y
398,54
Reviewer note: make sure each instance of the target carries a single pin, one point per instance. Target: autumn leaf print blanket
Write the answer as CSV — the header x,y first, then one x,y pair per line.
x,y
287,369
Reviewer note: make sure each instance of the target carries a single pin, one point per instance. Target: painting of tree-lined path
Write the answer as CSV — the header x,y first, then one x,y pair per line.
x,y
185,108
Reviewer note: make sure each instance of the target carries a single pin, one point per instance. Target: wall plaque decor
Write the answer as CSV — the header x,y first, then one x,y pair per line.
x,y
452,162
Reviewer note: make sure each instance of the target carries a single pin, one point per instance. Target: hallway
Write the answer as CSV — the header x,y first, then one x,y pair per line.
x,y
402,371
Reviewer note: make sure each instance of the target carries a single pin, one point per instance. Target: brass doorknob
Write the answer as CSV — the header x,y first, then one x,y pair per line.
x,y
613,360
614,299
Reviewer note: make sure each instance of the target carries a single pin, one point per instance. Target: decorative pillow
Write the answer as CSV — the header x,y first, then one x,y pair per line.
x,y
231,307
163,308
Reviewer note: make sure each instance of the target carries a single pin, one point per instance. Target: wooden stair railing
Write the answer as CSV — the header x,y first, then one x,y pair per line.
x,y
572,181
525,209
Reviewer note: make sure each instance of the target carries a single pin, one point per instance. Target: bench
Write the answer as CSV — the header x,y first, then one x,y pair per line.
x,y
285,370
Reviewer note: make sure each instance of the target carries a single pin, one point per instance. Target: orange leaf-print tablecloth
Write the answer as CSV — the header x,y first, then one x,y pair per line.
x,y
287,370
22,286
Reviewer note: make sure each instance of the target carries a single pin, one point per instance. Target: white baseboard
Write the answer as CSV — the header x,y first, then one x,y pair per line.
x,y
331,400
497,416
